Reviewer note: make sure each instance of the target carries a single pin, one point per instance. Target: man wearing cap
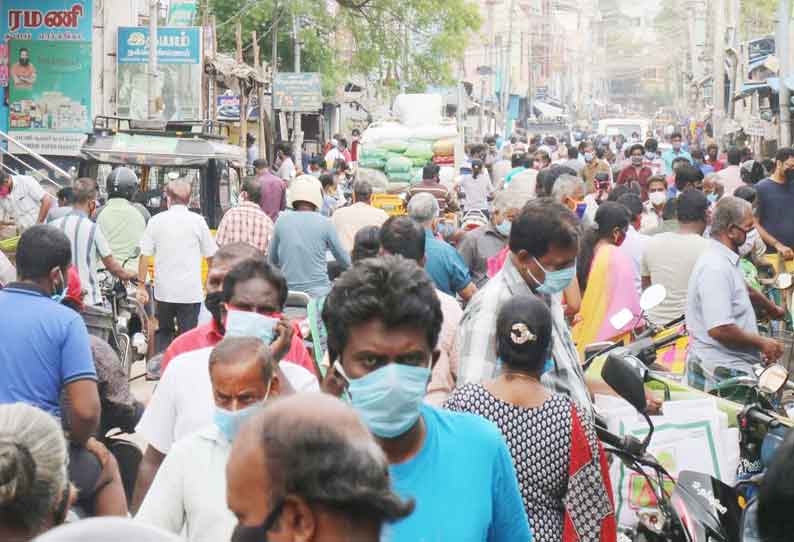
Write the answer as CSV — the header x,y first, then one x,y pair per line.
x,y
273,198
302,237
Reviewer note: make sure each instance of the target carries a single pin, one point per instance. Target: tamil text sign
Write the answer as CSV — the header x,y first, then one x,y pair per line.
x,y
47,68
178,73
297,92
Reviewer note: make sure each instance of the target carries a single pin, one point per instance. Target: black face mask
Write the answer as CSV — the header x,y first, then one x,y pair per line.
x,y
24,61
213,301
789,175
258,533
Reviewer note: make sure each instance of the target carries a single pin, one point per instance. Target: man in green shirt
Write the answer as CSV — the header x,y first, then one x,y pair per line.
x,y
122,222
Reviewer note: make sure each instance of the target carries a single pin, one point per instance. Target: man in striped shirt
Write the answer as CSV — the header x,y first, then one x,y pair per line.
x,y
89,245
431,184
247,223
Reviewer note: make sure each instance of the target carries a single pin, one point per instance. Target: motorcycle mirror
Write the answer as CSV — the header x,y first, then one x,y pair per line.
x,y
783,281
772,379
626,375
620,319
652,297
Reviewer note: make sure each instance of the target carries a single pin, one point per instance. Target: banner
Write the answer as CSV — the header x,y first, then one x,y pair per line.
x,y
297,92
45,61
178,73
181,13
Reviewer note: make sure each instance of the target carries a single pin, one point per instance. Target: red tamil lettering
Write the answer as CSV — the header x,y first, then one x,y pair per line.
x,y
33,18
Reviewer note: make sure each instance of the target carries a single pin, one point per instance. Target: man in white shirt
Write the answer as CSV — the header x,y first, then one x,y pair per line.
x,y
189,491
24,200
178,239
349,220
286,169
634,244
182,402
88,242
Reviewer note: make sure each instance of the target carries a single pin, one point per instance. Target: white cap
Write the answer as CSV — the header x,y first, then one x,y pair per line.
x,y
306,188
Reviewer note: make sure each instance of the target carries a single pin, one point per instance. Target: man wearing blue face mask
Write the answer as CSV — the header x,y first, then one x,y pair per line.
x,y
383,320
544,243
188,492
482,244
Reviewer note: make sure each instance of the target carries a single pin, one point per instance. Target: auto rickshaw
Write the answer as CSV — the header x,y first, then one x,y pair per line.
x,y
195,151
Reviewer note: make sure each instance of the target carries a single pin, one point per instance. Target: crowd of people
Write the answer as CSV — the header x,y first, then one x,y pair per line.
x,y
435,389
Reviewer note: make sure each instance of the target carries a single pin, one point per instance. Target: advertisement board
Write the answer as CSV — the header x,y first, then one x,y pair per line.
x,y
178,68
298,92
46,65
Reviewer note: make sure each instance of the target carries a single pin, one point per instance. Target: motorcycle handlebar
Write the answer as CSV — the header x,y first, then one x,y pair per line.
x,y
609,439
661,343
758,416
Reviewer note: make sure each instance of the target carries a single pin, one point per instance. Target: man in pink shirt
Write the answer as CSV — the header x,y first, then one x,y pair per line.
x,y
731,176
273,199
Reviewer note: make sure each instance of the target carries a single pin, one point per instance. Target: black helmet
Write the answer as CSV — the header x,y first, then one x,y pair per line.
x,y
122,183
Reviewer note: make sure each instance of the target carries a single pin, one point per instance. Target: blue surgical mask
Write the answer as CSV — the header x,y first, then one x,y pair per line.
x,y
555,281
588,157
580,210
650,155
229,422
711,197
58,297
504,227
388,399
250,324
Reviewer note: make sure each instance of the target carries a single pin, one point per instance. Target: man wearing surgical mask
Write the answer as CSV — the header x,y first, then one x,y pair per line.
x,y
775,201
383,321
254,293
188,493
544,244
676,152
652,218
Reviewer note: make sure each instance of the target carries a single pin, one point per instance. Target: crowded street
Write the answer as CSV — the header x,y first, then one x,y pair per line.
x,y
396,271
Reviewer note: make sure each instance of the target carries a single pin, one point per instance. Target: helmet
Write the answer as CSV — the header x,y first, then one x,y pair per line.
x,y
122,183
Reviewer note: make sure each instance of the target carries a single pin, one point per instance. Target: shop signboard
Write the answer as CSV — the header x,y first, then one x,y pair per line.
x,y
298,92
178,73
45,61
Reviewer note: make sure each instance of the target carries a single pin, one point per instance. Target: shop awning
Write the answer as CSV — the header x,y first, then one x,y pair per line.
x,y
772,84
543,109
159,151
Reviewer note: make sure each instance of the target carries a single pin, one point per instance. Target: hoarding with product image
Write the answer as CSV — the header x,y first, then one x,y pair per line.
x,y
46,65
178,67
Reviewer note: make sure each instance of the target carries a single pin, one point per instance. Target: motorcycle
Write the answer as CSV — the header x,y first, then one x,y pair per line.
x,y
129,330
700,507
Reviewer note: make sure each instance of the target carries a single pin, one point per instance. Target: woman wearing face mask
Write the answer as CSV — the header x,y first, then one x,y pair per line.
x,y
604,274
636,171
35,492
529,417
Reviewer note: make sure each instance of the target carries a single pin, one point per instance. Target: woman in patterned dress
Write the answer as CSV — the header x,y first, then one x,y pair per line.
x,y
560,464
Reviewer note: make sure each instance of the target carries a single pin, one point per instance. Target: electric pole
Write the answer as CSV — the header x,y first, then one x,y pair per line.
x,y
273,72
508,67
154,11
718,69
297,132
782,50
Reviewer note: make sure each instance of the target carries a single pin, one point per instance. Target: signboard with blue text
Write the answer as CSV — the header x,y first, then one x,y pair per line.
x,y
178,68
46,65
179,72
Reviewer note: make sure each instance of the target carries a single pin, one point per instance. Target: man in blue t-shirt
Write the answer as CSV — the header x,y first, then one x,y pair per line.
x,y
383,321
442,262
775,201
46,361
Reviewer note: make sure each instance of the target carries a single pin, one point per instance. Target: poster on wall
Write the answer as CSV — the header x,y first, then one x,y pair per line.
x,y
46,66
178,68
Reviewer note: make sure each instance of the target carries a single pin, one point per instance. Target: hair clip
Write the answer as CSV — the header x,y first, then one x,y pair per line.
x,y
521,334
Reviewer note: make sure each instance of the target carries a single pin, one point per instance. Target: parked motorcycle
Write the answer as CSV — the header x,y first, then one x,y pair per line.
x,y
700,507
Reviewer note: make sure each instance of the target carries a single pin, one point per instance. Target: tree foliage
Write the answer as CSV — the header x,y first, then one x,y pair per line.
x,y
385,41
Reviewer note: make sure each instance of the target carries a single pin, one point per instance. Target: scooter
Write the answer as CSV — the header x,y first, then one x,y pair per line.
x,y
700,508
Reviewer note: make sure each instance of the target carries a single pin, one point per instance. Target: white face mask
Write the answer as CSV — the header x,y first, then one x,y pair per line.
x,y
657,198
749,243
